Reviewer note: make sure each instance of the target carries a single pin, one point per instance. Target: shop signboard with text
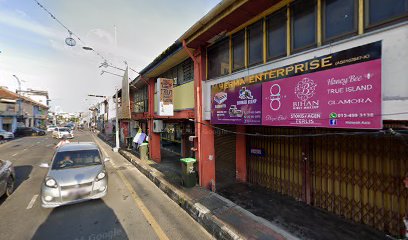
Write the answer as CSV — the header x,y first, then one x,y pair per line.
x,y
340,90
165,96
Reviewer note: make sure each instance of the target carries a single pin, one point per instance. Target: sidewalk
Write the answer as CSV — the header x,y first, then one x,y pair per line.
x,y
222,218
250,212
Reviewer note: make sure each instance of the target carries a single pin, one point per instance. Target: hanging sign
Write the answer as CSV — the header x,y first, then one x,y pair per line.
x,y
339,90
164,89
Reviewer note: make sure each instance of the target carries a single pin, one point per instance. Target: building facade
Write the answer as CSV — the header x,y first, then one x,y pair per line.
x,y
306,98
20,110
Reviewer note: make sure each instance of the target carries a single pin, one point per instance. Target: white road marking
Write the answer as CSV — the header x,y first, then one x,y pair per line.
x,y
49,145
15,154
31,203
38,142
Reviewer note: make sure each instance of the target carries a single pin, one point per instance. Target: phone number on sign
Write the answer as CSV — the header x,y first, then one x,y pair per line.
x,y
354,115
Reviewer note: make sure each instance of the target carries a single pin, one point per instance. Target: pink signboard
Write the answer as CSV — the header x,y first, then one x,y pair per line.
x,y
345,97
339,90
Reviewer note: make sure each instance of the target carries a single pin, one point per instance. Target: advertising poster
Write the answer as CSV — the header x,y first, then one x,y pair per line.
x,y
165,96
340,90
345,97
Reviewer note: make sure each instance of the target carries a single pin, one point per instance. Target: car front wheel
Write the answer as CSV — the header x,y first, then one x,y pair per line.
x,y
10,186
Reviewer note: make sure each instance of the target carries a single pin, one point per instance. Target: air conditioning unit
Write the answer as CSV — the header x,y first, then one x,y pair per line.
x,y
157,126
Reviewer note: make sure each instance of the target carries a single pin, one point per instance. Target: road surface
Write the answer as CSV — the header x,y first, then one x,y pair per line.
x,y
134,207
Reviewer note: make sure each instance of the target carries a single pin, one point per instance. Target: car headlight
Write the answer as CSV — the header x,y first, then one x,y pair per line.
x,y
100,176
50,182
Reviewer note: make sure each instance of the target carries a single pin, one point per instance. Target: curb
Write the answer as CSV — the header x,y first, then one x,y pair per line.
x,y
198,212
201,214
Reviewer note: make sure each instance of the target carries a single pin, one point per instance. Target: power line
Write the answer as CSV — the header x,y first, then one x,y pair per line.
x,y
377,132
66,28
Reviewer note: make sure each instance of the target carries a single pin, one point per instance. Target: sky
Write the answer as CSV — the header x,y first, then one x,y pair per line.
x,y
33,48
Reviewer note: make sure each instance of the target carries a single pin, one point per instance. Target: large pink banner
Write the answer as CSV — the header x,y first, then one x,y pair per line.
x,y
343,97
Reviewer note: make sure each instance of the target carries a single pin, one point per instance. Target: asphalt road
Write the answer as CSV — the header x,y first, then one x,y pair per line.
x,y
134,207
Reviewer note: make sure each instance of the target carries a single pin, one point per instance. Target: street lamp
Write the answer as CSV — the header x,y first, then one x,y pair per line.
x,y
87,48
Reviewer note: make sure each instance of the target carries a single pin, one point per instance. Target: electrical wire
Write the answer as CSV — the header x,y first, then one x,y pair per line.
x,y
377,132
69,30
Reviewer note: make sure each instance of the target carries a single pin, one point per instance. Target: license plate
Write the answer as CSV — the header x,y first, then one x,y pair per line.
x,y
77,192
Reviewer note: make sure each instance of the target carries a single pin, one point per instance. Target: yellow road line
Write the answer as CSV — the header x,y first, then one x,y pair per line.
x,y
149,217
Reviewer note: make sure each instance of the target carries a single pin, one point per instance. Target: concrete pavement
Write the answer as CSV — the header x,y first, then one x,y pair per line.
x,y
133,209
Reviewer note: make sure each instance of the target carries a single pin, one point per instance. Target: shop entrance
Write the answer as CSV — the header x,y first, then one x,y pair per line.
x,y
225,150
358,176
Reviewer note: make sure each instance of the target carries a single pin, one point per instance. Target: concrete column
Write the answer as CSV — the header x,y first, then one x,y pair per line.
x,y
241,169
204,132
154,138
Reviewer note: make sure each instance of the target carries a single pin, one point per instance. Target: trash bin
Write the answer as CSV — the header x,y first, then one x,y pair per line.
x,y
143,150
188,173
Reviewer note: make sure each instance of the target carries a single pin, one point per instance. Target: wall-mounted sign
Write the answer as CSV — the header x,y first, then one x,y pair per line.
x,y
259,152
340,90
165,96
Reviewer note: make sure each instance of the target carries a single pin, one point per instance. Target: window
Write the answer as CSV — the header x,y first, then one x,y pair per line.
x,y
276,34
303,25
186,70
218,59
238,50
255,42
140,100
76,159
381,11
340,18
182,73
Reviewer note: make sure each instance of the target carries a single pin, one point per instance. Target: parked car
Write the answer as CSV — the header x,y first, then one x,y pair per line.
x,y
7,178
62,131
77,173
5,135
51,128
70,126
29,131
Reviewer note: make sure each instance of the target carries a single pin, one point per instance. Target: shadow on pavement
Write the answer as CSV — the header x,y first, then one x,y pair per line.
x,y
303,220
88,220
22,174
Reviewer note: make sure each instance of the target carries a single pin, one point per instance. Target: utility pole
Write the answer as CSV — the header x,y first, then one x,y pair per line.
x,y
116,149
19,99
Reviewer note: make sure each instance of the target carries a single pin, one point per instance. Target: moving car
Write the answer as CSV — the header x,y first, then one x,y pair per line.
x,y
5,135
51,128
29,131
77,173
59,132
7,178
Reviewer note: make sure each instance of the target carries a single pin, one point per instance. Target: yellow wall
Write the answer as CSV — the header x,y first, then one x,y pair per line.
x,y
183,97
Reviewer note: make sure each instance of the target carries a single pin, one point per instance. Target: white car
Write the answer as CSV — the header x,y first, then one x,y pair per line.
x,y
59,132
51,128
4,135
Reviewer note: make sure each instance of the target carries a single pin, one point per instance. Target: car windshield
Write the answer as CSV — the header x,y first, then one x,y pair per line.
x,y
75,159
64,130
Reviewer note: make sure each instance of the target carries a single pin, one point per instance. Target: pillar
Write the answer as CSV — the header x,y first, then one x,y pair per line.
x,y
154,138
204,132
241,169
